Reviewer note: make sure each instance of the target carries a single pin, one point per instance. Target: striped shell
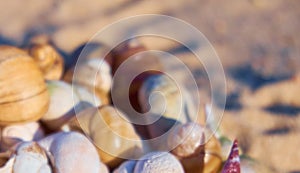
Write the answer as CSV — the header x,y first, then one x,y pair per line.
x,y
23,93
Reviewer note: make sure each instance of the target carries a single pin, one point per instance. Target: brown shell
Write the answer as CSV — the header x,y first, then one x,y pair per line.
x,y
119,55
23,93
49,60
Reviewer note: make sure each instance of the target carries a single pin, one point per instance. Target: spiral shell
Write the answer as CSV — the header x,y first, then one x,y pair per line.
x,y
175,103
21,86
232,165
49,60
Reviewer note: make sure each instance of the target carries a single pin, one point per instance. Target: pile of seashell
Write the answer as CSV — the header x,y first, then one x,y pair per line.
x,y
46,127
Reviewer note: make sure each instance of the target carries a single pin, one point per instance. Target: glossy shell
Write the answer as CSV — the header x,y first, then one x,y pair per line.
x,y
92,74
206,159
160,95
21,86
49,60
111,132
63,98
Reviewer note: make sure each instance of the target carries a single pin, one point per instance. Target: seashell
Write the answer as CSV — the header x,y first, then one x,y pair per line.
x,y
15,134
63,99
129,48
49,60
232,165
162,162
126,167
69,149
138,66
8,165
188,143
186,139
112,133
93,74
61,102
166,99
21,86
31,156
142,65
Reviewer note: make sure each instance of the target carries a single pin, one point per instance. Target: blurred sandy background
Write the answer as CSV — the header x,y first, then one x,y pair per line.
x,y
257,40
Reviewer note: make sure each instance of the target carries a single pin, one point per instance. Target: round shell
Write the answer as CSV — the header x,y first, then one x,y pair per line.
x,y
162,162
126,167
63,98
111,132
23,93
72,153
166,98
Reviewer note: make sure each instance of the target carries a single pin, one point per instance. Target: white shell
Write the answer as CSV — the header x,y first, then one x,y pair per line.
x,y
162,162
72,153
184,139
94,73
30,156
166,98
126,167
62,99
85,95
11,135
